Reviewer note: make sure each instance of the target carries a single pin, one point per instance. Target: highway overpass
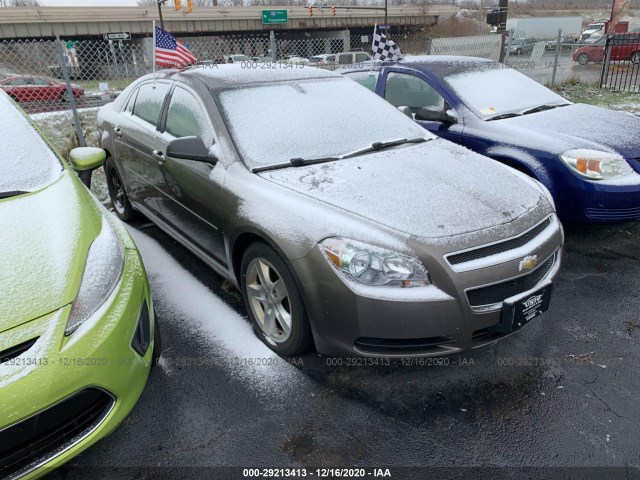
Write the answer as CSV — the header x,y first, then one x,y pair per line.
x,y
88,22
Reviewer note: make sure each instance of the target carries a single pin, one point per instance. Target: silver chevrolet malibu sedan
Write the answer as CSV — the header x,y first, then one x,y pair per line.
x,y
345,225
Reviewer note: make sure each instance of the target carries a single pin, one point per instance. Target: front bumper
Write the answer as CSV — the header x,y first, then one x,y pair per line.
x,y
443,321
87,382
600,202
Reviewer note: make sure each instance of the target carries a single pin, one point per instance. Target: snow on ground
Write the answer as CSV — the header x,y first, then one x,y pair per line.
x,y
192,308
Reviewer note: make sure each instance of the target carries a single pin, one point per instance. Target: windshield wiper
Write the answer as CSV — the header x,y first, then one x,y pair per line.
x,y
302,162
295,162
542,108
377,146
12,193
503,115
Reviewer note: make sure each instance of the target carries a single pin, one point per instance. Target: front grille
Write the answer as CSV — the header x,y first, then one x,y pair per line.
x,y
45,434
613,214
401,346
497,248
498,292
16,351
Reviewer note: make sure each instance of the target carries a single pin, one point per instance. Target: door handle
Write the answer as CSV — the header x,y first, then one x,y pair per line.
x,y
158,155
117,131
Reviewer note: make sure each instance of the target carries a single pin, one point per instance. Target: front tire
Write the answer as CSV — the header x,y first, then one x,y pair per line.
x,y
118,195
274,302
635,57
583,59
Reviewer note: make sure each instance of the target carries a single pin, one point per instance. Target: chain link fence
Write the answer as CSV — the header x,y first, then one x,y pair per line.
x,y
35,73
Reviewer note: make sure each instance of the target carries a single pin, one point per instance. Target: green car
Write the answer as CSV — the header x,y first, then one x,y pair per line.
x,y
76,319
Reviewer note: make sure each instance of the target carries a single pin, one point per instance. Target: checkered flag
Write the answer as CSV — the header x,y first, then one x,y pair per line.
x,y
384,49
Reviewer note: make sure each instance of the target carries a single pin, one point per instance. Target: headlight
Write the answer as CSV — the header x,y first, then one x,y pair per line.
x,y
596,165
102,271
371,265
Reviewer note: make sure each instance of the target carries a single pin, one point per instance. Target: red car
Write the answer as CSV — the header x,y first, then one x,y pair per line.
x,y
37,89
626,50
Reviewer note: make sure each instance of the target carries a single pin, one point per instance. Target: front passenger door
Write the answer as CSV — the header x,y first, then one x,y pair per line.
x,y
193,189
407,90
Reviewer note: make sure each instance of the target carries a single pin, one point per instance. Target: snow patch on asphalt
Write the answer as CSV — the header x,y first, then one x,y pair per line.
x,y
192,307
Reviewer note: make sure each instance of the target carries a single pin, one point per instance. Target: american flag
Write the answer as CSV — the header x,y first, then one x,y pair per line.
x,y
170,52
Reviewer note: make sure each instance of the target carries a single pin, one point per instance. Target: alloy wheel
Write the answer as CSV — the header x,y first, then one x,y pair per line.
x,y
269,299
117,191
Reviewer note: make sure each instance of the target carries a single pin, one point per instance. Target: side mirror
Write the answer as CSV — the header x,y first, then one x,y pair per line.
x,y
85,160
432,114
190,148
406,111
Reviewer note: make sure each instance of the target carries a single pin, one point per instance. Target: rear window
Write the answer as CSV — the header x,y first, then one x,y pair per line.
x,y
149,101
26,161
366,79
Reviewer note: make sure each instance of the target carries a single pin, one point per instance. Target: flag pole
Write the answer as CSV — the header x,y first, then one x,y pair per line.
x,y
154,52
375,26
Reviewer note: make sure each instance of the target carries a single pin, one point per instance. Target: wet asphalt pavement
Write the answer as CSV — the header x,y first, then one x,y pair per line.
x,y
564,392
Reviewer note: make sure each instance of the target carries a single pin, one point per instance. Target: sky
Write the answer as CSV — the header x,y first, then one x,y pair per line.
x,y
87,3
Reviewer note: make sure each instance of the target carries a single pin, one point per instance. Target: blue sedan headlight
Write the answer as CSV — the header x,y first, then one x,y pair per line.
x,y
596,165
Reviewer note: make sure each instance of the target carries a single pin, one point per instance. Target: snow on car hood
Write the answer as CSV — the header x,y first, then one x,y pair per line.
x,y
433,189
580,126
45,239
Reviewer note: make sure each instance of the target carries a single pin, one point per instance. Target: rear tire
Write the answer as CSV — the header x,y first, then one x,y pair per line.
x,y
117,193
157,341
274,302
583,59
635,57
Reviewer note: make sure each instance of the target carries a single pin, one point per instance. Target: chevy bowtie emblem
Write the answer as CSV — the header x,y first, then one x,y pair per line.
x,y
528,262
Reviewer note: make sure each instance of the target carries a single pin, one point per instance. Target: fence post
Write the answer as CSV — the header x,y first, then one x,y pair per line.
x,y
555,60
604,74
429,43
506,54
70,96
272,41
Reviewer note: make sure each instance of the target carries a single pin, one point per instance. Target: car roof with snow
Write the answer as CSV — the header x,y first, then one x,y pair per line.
x,y
230,75
440,65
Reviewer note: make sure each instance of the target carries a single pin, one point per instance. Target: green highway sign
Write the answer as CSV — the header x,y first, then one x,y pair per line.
x,y
274,16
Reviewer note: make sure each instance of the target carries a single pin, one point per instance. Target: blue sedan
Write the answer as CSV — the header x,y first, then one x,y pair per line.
x,y
588,157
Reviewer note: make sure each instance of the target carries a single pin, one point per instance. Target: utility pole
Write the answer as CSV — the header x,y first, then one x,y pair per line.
x,y
386,10
160,3
502,25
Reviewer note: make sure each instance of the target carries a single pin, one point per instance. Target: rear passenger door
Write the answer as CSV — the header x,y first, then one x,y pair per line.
x,y
136,135
193,189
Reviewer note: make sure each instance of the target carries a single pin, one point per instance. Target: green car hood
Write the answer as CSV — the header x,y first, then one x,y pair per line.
x,y
45,237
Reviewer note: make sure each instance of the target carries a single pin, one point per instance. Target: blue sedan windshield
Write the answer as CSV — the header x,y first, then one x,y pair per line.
x,y
497,90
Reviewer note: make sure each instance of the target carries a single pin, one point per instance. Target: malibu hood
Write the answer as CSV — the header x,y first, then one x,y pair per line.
x,y
433,189
45,239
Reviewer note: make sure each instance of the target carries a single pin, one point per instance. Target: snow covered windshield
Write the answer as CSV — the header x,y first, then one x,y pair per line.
x,y
309,119
26,161
498,90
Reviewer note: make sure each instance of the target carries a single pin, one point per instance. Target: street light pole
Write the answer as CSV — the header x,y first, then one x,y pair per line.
x,y
160,3
502,25
386,9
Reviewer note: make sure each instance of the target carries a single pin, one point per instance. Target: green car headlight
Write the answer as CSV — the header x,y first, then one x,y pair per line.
x,y
375,266
102,271
596,165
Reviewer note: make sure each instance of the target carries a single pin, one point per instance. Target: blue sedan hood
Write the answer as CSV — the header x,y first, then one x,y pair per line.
x,y
577,126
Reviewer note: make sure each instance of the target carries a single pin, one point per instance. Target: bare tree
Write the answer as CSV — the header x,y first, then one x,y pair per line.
x,y
19,3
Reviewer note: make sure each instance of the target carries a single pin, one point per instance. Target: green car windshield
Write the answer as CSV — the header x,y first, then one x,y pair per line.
x,y
27,162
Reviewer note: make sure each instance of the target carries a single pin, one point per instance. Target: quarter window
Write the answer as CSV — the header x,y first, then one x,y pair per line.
x,y
149,101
